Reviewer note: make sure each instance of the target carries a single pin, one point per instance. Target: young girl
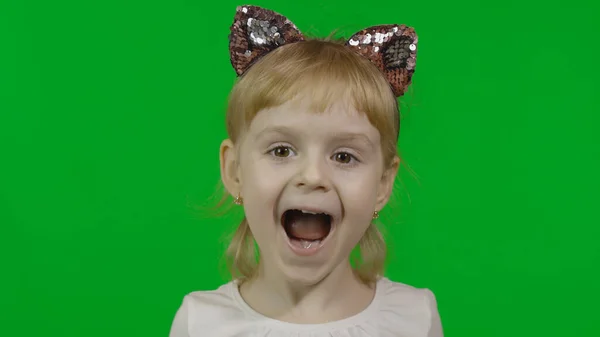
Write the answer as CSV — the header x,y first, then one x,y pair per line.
x,y
311,158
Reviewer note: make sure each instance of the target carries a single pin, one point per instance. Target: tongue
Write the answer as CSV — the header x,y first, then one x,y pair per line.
x,y
308,227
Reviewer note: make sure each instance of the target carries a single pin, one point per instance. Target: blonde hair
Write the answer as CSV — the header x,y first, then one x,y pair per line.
x,y
326,71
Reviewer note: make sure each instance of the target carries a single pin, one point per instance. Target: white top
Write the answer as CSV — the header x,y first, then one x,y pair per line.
x,y
396,310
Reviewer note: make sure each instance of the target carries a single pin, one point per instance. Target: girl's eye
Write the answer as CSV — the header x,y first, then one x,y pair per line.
x,y
281,151
343,157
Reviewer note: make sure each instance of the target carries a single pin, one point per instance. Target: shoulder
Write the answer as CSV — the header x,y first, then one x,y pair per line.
x,y
397,292
220,298
412,305
205,310
212,304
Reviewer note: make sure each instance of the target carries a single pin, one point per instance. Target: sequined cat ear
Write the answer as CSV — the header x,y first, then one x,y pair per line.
x,y
257,31
392,48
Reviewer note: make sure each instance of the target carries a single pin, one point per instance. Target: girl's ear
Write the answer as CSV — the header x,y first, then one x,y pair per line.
x,y
230,168
387,184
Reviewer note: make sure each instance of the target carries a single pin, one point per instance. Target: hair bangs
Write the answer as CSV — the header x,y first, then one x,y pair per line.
x,y
325,71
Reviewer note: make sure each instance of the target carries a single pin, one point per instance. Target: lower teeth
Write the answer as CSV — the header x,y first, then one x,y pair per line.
x,y
307,244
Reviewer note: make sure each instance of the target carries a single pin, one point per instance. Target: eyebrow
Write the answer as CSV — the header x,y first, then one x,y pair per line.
x,y
351,136
283,130
337,136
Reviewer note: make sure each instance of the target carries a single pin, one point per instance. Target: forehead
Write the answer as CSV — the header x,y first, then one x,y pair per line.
x,y
340,117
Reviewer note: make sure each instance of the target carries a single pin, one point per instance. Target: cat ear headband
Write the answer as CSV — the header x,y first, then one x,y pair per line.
x,y
257,31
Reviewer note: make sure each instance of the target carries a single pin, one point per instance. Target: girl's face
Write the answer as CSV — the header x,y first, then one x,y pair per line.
x,y
310,183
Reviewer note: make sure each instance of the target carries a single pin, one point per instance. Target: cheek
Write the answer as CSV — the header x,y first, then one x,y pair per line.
x,y
257,177
260,189
359,194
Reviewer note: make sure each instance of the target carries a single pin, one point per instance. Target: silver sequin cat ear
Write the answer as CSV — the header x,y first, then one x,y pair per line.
x,y
393,49
257,31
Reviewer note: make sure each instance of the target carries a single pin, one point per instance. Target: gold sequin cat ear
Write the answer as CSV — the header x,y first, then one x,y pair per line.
x,y
257,31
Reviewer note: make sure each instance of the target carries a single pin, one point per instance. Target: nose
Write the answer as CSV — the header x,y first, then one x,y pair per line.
x,y
313,175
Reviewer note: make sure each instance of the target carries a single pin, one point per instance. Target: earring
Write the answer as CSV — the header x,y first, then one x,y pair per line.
x,y
375,215
238,200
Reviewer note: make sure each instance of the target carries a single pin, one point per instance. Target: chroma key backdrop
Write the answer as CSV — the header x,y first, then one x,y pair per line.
x,y
111,116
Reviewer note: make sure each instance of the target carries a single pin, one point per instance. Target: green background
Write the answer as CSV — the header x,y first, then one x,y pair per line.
x,y
111,114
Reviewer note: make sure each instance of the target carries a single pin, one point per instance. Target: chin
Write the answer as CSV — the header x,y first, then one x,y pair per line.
x,y
308,272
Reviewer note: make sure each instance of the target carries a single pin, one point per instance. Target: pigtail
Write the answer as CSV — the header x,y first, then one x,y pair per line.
x,y
373,250
241,253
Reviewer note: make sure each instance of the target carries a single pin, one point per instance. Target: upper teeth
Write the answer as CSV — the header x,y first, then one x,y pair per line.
x,y
308,212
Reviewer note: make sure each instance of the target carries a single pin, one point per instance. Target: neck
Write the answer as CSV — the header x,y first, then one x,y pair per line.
x,y
271,295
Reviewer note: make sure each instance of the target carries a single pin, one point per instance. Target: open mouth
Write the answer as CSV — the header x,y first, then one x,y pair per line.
x,y
306,229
